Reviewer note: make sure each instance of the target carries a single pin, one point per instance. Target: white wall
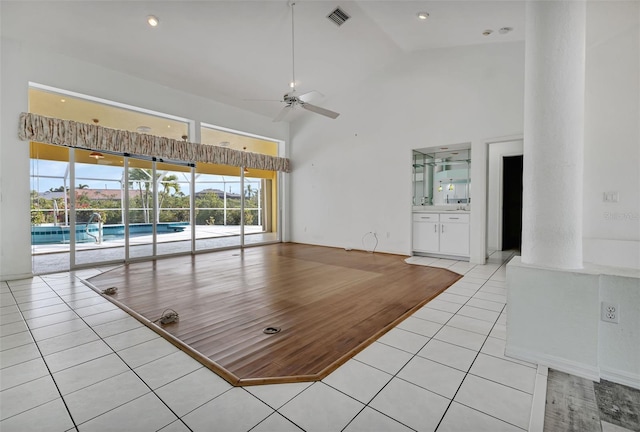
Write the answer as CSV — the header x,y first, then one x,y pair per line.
x,y
15,220
554,316
22,64
353,175
494,190
619,347
554,320
612,134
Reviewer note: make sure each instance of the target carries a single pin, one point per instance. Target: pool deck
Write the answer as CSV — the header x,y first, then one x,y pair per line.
x,y
50,258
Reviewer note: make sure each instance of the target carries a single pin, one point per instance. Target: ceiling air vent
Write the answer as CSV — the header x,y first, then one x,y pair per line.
x,y
338,16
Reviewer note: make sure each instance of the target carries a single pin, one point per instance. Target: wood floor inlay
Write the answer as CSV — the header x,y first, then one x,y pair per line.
x,y
329,304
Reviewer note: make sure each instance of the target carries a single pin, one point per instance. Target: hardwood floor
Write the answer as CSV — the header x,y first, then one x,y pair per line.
x,y
328,303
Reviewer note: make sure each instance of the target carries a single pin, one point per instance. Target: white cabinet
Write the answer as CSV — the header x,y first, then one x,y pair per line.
x,y
426,232
454,234
441,233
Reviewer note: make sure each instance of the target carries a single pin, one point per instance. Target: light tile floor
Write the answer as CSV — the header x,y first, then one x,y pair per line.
x,y
71,360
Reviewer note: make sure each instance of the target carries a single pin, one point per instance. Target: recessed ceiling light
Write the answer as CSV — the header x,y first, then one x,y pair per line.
x,y
487,32
505,30
63,100
169,126
423,15
153,21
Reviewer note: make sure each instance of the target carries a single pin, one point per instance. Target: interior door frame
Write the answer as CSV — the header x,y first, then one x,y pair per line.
x,y
479,193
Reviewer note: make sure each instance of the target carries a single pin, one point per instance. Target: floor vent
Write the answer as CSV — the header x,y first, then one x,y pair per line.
x,y
338,16
271,330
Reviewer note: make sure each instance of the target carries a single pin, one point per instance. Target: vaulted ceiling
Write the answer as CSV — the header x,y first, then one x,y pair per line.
x,y
239,51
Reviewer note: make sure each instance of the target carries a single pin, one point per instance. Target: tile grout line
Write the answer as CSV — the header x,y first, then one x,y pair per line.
x,y
275,410
367,404
100,338
48,370
472,363
179,418
130,369
414,355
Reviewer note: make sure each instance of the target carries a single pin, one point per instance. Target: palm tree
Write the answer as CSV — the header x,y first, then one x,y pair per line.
x,y
83,186
168,182
248,192
142,177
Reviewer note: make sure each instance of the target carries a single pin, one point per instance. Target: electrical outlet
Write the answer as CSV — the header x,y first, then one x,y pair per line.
x,y
609,312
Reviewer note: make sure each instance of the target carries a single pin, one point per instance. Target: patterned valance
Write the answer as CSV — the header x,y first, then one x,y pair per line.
x,y
68,133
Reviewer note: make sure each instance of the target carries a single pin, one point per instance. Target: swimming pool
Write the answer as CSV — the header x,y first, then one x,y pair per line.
x,y
50,234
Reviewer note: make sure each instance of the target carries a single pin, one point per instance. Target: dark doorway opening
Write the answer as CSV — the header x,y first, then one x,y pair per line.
x,y
511,202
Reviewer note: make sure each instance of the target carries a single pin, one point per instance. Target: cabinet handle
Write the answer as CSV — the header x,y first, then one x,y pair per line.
x,y
435,228
425,217
442,228
454,218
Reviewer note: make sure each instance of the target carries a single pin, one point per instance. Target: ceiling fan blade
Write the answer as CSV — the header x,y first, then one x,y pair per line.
x,y
319,110
261,100
283,113
310,95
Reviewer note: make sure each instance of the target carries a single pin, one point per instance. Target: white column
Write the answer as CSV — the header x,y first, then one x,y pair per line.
x,y
553,134
15,219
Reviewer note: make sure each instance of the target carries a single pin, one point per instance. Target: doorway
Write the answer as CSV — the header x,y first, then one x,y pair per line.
x,y
512,202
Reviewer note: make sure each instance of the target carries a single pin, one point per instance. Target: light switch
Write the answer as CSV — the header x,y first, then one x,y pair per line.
x,y
610,197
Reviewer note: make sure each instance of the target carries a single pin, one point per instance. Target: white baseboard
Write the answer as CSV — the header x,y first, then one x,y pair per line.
x,y
10,277
561,364
620,377
536,420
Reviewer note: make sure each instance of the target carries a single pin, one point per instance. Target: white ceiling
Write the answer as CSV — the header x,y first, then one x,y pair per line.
x,y
232,51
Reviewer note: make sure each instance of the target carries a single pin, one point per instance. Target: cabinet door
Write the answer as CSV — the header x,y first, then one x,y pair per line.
x,y
425,236
454,238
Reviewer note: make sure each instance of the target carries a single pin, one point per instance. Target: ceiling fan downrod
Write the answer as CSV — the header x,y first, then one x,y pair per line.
x,y
293,47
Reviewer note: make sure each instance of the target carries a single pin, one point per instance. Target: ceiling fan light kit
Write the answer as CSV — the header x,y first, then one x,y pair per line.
x,y
292,99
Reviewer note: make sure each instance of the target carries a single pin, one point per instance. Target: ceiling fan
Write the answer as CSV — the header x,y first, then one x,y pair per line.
x,y
292,99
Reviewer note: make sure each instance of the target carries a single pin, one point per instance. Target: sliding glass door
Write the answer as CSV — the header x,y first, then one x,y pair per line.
x,y
141,197
174,184
50,208
250,198
217,200
97,199
92,208
261,207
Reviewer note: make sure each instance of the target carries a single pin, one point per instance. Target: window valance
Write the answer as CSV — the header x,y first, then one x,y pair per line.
x,y
68,133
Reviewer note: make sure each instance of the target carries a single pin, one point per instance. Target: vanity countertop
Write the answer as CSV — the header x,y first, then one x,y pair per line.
x,y
436,209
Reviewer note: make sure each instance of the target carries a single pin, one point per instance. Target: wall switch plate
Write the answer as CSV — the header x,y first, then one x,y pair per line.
x,y
610,312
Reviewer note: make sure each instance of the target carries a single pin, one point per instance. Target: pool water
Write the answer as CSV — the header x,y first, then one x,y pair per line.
x,y
43,234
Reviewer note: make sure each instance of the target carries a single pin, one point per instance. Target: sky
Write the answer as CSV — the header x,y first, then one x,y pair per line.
x,y
108,177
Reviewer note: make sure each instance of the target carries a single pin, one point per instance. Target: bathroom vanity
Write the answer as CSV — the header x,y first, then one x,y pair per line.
x,y
441,203
441,233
